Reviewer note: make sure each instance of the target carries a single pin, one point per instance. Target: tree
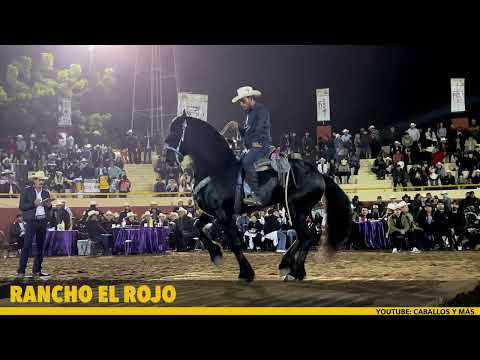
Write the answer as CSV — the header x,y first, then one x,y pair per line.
x,y
32,93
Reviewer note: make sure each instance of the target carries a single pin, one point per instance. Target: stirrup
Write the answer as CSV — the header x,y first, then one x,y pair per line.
x,y
252,201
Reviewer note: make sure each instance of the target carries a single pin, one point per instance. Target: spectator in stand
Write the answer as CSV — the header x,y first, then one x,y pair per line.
x,y
130,144
295,145
363,217
343,172
323,167
470,143
467,163
430,138
375,145
124,186
124,212
160,186
398,156
407,140
379,167
356,207
95,231
476,177
441,131
285,143
437,156
390,136
60,215
399,174
253,235
449,178
131,219
365,151
307,147
272,230
354,162
414,132
172,186
184,185
21,147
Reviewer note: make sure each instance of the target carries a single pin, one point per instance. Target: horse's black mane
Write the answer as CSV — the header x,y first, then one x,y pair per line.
x,y
207,146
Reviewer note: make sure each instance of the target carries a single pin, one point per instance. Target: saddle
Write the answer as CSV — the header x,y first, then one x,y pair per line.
x,y
276,160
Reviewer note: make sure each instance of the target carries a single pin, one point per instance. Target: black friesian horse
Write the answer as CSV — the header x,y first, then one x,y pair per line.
x,y
216,169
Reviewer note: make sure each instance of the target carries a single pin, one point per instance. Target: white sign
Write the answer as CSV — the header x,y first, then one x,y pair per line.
x,y
323,104
194,105
458,94
65,110
90,186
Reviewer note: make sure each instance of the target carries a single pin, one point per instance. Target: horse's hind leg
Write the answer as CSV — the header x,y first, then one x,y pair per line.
x,y
292,265
246,270
207,235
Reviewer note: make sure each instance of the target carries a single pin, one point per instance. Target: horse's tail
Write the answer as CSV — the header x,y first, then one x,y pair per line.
x,y
339,214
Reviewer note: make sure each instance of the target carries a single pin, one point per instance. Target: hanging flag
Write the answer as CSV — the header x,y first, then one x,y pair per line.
x,y
458,94
65,111
323,104
194,105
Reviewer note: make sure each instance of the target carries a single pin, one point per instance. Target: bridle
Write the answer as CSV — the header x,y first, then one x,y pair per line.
x,y
178,154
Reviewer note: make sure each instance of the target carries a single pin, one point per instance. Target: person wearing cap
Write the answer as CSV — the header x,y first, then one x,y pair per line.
x,y
59,215
17,233
308,147
36,206
475,178
186,231
154,210
146,217
343,171
131,219
20,148
412,232
125,211
399,175
95,232
93,206
323,166
256,138
108,221
398,227
414,132
365,151
8,185
449,178
375,144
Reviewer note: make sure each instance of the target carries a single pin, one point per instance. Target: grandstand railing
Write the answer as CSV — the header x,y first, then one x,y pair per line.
x,y
354,188
108,195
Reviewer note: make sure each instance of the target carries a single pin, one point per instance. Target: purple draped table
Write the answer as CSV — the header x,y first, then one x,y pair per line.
x,y
60,243
145,240
370,234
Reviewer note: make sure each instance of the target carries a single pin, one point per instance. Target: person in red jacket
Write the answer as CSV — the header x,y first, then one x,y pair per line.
x,y
437,156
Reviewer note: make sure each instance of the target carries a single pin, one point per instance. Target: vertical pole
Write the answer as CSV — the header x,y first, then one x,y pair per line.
x,y
152,79
134,85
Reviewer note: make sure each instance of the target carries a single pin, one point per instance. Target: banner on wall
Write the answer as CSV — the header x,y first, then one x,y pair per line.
x,y
91,186
195,105
65,112
323,104
458,94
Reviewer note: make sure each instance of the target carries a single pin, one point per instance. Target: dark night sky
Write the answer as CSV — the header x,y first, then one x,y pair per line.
x,y
368,84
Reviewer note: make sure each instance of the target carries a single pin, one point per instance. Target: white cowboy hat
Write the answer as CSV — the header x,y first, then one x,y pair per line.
x,y
402,204
244,92
189,215
345,130
392,206
401,164
371,127
433,176
108,213
413,124
130,214
439,163
92,212
147,213
39,175
182,210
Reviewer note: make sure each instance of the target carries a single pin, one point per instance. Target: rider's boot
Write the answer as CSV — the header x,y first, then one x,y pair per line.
x,y
251,179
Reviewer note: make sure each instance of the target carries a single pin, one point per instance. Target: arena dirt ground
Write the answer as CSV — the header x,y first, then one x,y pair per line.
x,y
359,278
346,265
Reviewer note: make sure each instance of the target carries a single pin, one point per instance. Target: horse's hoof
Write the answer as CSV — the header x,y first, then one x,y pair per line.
x,y
284,272
245,279
289,277
217,260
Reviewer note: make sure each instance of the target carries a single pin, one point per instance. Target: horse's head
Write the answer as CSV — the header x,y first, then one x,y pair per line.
x,y
174,143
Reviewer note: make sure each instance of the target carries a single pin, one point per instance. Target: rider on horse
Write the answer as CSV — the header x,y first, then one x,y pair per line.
x,y
256,137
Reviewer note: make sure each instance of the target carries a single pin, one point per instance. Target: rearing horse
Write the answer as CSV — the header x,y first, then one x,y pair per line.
x,y
216,171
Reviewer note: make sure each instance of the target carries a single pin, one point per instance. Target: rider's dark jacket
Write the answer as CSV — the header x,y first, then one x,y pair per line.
x,y
257,126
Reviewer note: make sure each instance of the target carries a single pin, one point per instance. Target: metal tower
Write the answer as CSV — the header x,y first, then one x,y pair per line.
x,y
154,95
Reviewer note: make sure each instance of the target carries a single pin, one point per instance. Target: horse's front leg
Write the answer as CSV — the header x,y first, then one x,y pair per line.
x,y
207,235
246,270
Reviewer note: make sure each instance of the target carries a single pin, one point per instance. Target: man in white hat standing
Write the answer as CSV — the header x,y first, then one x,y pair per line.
x,y
256,137
35,204
414,132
